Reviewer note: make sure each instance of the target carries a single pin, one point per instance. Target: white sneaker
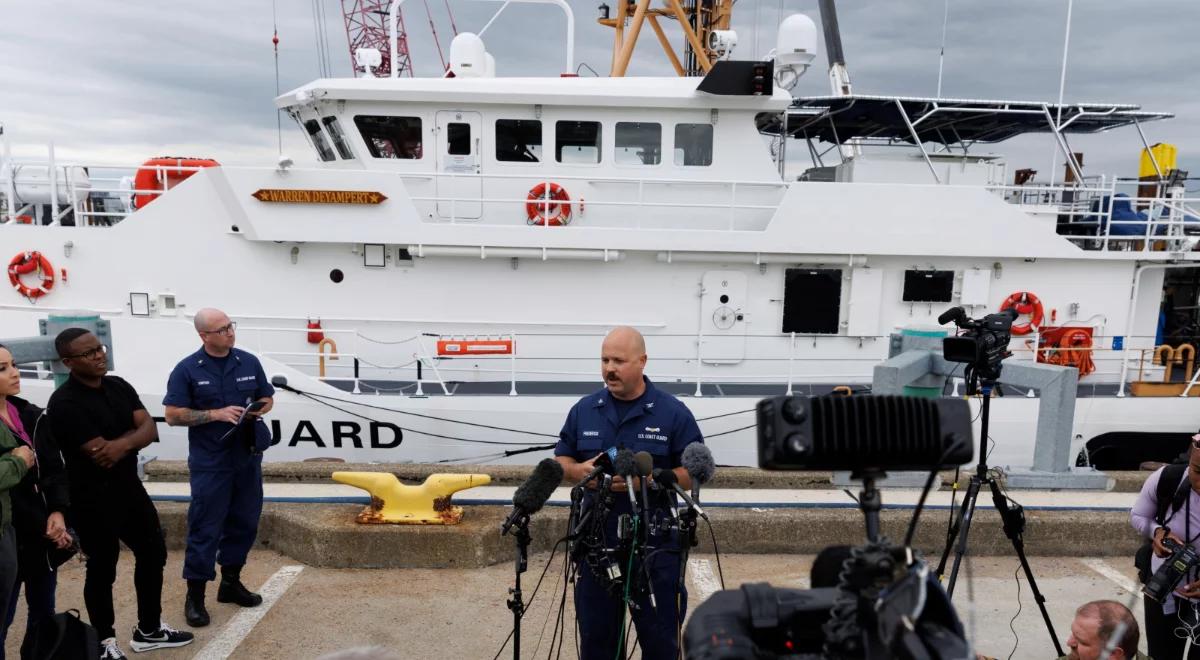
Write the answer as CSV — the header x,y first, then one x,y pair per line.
x,y
110,651
164,638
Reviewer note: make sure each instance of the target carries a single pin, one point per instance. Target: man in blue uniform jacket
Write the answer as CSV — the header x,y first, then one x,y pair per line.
x,y
631,413
209,391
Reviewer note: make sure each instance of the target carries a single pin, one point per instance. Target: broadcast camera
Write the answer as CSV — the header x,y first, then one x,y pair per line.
x,y
887,604
983,345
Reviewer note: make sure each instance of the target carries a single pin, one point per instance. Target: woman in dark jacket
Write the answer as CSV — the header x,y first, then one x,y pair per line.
x,y
39,503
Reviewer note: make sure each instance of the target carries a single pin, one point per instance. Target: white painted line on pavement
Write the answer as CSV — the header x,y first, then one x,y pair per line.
x,y
1102,567
243,622
703,580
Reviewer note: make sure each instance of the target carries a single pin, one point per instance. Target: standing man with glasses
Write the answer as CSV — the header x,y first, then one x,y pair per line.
x,y
211,392
100,424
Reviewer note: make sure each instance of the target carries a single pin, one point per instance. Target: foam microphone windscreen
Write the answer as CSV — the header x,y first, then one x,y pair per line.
x,y
665,477
540,485
698,460
624,464
644,462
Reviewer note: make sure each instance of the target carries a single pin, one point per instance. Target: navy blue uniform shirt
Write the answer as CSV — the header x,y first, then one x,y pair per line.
x,y
660,424
198,382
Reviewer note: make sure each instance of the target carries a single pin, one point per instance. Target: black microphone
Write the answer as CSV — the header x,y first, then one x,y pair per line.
x,y
532,494
626,466
645,467
955,314
668,479
698,460
603,464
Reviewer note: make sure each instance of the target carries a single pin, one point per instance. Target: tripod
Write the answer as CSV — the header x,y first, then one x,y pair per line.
x,y
517,603
1013,519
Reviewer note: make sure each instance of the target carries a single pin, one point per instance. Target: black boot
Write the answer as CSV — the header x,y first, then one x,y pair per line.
x,y
233,591
193,606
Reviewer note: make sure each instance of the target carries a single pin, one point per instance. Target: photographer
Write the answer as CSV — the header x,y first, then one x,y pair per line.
x,y
1169,507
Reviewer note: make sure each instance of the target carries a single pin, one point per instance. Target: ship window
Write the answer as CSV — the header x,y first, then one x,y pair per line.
x,y
339,138
577,141
693,144
812,300
391,137
928,286
458,139
318,140
638,143
519,140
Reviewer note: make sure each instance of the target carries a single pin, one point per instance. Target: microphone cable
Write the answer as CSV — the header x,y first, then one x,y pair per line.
x,y
549,562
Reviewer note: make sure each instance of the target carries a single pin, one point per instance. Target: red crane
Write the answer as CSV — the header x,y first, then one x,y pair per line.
x,y
367,27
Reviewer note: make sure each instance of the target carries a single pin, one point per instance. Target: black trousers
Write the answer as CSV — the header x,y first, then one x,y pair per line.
x,y
1161,640
122,514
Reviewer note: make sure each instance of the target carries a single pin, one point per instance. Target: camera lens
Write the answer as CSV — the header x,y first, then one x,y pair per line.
x,y
793,411
798,443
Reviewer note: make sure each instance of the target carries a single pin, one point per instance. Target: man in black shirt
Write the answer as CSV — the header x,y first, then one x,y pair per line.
x,y
100,424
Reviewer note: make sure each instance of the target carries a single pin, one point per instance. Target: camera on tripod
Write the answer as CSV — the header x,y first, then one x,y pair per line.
x,y
887,604
983,345
1182,560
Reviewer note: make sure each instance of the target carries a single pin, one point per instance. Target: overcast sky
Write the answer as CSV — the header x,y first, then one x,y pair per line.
x,y
124,81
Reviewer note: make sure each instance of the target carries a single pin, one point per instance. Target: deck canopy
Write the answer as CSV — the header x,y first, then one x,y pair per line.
x,y
891,119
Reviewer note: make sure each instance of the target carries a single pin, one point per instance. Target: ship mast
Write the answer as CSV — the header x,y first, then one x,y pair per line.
x,y
698,19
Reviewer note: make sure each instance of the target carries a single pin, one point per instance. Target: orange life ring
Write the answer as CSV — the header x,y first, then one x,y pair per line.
x,y
148,176
27,262
548,203
1025,303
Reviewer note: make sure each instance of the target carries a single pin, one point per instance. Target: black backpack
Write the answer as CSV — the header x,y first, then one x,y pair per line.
x,y
1168,496
63,636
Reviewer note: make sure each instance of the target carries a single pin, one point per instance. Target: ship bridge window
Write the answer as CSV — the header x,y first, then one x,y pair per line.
x,y
577,141
638,143
339,138
324,152
391,137
693,145
519,140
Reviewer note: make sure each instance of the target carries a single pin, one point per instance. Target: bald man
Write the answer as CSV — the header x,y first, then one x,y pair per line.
x,y
630,412
1095,623
208,392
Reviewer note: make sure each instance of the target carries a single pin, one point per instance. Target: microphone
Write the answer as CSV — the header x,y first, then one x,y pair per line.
x,y
604,463
956,314
668,479
532,494
645,466
698,460
626,466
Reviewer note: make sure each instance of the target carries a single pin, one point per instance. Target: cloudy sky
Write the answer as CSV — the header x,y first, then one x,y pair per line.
x,y
122,81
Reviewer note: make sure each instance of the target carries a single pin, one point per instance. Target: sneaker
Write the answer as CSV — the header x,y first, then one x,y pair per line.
x,y
110,651
164,638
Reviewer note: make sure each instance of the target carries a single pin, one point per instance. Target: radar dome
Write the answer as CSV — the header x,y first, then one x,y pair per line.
x,y
796,45
468,57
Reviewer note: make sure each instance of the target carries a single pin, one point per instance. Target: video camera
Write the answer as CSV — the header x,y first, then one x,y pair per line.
x,y
982,346
886,604
1182,560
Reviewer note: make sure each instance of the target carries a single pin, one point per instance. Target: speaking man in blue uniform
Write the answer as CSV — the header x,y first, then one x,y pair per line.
x,y
215,392
629,412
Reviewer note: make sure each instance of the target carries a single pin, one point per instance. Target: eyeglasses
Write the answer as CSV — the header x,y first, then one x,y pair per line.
x,y
223,330
90,355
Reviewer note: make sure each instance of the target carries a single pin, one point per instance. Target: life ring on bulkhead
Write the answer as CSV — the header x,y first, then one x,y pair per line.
x,y
548,204
1025,303
147,177
25,263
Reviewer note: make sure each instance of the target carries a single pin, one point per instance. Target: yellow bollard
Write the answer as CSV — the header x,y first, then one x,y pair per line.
x,y
427,504
321,353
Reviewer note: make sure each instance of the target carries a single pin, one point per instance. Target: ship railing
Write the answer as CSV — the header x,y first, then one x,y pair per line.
x,y
1085,213
768,359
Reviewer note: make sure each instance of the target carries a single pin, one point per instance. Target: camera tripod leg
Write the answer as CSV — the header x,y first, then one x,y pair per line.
x,y
961,531
1014,529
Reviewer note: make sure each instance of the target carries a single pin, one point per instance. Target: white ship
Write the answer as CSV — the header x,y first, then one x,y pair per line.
x,y
466,242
